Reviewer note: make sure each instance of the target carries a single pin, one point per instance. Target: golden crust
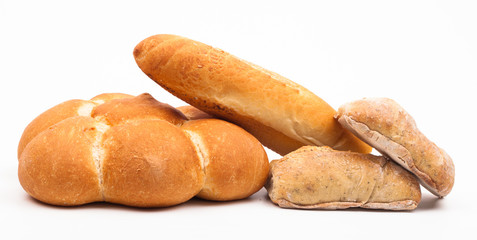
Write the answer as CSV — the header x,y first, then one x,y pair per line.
x,y
62,152
385,125
63,111
50,117
240,166
262,102
322,178
106,97
144,106
149,163
193,113
133,151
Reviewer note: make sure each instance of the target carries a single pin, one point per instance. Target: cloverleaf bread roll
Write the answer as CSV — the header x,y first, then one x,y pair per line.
x,y
280,113
386,126
136,151
322,178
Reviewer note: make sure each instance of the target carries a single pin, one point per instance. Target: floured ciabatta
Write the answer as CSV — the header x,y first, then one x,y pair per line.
x,y
385,125
322,178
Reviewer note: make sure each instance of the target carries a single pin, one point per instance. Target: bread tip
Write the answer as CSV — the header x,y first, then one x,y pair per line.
x,y
138,49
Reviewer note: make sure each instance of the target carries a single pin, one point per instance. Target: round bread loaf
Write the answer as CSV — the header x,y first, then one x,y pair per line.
x,y
136,151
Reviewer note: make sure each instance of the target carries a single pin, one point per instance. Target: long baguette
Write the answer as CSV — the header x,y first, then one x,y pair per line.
x,y
280,113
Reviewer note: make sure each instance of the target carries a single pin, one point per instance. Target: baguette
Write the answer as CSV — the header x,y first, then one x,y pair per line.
x,y
280,113
385,125
322,178
138,152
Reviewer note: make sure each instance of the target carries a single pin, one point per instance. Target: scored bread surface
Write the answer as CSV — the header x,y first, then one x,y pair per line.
x,y
280,113
133,151
214,136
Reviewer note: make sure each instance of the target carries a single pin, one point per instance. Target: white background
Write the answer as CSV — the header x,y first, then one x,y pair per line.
x,y
423,54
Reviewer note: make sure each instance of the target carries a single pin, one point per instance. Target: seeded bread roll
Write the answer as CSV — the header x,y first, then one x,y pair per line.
x,y
385,125
322,178
280,113
136,151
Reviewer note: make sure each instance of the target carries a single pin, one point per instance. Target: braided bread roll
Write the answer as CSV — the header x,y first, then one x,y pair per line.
x,y
136,151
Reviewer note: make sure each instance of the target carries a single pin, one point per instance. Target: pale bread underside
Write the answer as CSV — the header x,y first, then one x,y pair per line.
x,y
398,205
389,148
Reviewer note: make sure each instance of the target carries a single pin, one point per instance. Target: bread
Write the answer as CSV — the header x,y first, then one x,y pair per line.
x,y
280,113
385,125
193,113
136,151
322,178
